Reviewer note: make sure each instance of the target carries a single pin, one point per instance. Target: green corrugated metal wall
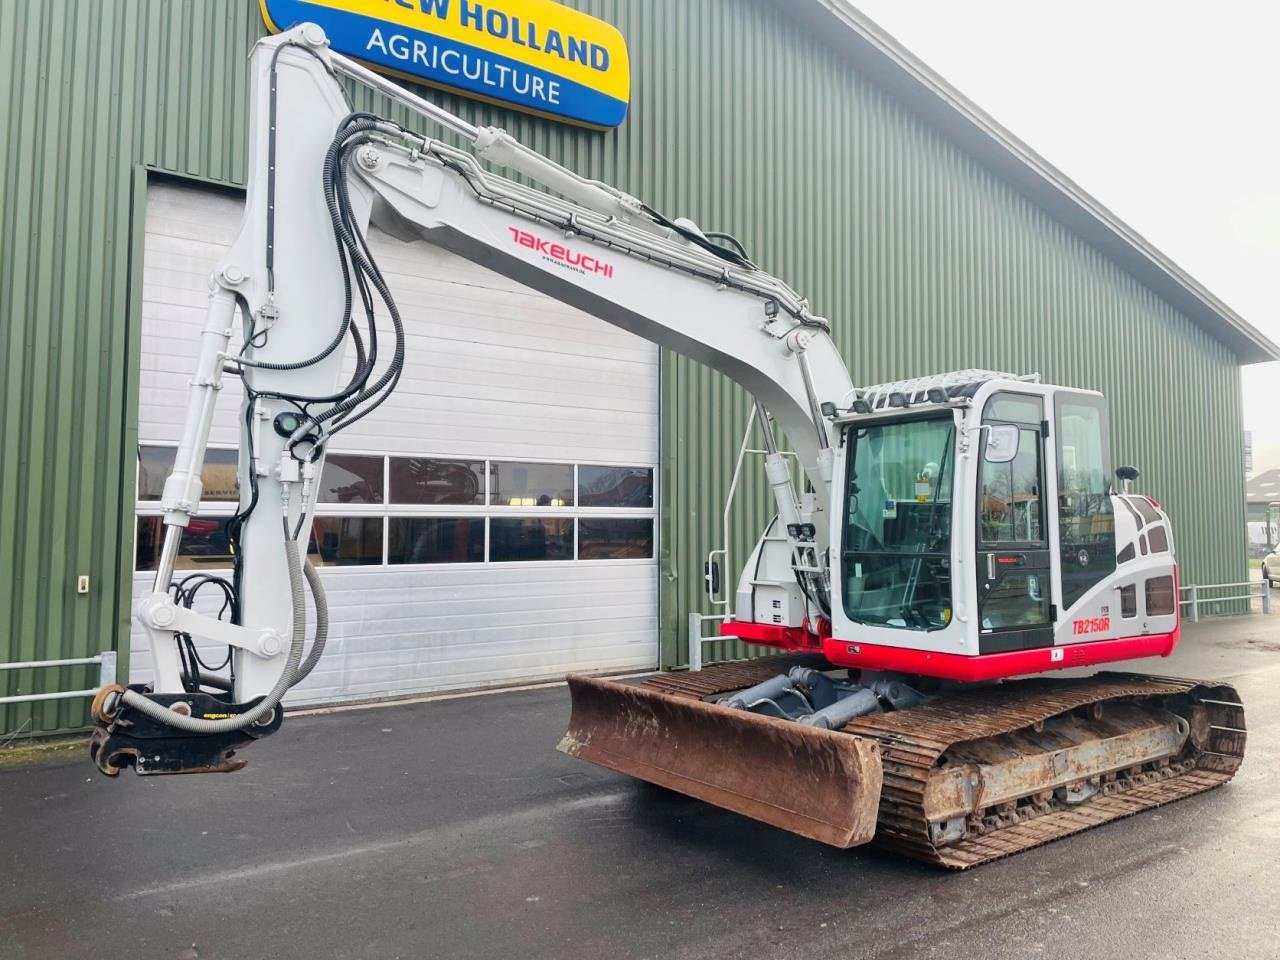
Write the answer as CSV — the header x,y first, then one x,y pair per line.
x,y
740,119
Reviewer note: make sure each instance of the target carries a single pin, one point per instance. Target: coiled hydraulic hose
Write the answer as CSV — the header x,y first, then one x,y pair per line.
x,y
321,602
294,668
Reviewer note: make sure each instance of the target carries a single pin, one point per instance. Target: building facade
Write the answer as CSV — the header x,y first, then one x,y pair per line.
x,y
573,480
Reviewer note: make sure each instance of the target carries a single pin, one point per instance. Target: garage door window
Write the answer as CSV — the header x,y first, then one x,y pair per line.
x,y
218,476
351,478
398,510
435,540
615,486
433,480
204,545
515,539
532,484
345,541
615,538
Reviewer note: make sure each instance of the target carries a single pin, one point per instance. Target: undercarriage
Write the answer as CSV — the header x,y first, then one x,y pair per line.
x,y
954,777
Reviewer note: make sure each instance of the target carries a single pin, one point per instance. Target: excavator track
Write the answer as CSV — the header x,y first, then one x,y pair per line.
x,y
924,752
915,741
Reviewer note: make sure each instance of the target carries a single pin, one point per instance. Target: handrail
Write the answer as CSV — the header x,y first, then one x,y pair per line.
x,y
106,676
1194,599
696,639
726,537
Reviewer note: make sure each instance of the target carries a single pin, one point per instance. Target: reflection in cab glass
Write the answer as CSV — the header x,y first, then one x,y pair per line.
x,y
897,545
1010,507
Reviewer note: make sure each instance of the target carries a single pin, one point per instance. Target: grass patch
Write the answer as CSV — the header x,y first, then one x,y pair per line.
x,y
45,753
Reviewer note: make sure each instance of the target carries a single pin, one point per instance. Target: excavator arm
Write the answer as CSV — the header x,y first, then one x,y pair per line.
x,y
301,283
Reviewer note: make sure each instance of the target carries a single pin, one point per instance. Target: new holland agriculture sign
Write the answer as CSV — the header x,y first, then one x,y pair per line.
x,y
532,54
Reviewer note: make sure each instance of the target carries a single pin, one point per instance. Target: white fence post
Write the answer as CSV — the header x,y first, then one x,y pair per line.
x,y
107,669
695,641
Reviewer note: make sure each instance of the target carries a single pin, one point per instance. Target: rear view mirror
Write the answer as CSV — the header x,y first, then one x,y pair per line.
x,y
711,578
1002,443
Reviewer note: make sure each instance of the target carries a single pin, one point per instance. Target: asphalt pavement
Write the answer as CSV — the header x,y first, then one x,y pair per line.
x,y
453,828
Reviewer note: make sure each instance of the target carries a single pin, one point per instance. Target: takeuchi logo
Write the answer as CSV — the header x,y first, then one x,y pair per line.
x,y
559,253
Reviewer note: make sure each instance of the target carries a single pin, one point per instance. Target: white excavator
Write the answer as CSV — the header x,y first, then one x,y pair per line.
x,y
947,533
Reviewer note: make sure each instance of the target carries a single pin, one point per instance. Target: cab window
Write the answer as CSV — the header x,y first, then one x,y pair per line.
x,y
897,544
1010,508
1086,525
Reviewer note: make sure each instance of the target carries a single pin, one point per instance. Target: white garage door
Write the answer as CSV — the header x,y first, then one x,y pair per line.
x,y
493,522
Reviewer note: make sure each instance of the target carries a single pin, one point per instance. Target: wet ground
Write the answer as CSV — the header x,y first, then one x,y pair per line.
x,y
453,828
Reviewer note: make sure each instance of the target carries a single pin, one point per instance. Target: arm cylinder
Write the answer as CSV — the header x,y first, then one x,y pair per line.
x,y
183,488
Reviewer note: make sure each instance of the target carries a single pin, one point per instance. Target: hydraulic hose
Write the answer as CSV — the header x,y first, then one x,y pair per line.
x,y
162,714
321,602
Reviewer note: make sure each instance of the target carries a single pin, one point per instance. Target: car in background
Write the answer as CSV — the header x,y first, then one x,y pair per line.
x,y
1271,567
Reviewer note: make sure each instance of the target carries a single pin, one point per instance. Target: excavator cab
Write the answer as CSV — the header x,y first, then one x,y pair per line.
x,y
975,533
982,535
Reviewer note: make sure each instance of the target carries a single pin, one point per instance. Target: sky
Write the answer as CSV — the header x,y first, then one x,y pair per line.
x,y
1164,112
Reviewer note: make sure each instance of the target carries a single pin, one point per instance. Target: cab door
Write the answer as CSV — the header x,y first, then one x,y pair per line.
x,y
1015,610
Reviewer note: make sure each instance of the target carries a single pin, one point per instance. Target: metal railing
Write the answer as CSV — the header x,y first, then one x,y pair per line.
x,y
1197,595
723,597
696,639
106,662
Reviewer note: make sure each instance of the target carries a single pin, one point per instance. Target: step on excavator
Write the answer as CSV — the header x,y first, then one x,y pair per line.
x,y
940,536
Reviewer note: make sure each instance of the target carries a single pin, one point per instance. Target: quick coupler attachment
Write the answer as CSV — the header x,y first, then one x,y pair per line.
x,y
125,737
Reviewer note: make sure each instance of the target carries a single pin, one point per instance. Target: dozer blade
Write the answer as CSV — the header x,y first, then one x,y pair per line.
x,y
817,783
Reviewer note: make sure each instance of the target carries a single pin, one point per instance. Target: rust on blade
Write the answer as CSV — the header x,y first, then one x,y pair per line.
x,y
820,784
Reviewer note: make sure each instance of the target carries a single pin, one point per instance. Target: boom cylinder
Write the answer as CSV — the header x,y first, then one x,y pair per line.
x,y
777,472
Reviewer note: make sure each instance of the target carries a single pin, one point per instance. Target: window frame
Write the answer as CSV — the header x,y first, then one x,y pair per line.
x,y
850,439
487,510
1037,552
